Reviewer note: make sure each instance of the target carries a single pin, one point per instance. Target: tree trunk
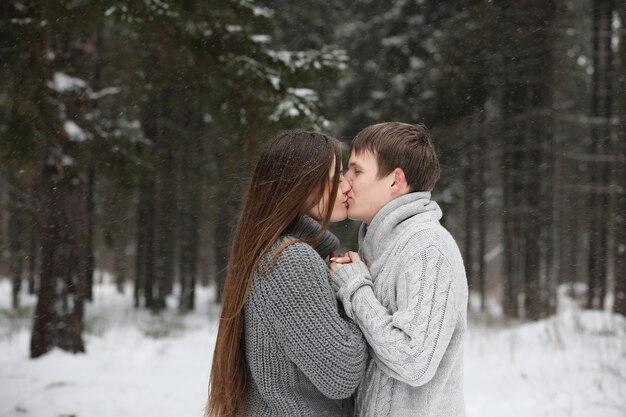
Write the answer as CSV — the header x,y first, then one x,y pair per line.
x,y
16,244
513,213
62,197
509,287
514,103
538,146
468,205
526,100
144,277
146,216
619,299
59,313
119,265
222,247
601,109
482,216
533,231
119,206
166,229
90,234
192,153
189,238
33,260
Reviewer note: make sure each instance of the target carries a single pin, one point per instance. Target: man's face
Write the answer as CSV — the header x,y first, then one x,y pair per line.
x,y
368,193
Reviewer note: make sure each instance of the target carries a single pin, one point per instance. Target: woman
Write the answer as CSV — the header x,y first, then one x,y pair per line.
x,y
283,348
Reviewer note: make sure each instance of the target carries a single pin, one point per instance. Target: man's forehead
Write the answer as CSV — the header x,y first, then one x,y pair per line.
x,y
362,157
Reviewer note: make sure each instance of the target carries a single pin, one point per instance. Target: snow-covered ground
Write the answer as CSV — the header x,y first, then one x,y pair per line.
x,y
136,365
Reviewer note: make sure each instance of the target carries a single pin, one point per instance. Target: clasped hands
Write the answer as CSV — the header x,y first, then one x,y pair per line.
x,y
348,274
336,262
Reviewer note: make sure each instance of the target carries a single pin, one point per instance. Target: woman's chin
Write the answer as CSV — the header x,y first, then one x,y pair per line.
x,y
339,215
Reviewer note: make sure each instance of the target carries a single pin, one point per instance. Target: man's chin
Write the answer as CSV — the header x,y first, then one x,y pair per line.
x,y
353,216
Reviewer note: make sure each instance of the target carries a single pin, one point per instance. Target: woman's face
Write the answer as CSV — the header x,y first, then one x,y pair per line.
x,y
340,209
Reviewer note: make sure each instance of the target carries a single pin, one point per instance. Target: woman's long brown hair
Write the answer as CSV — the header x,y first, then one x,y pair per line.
x,y
290,177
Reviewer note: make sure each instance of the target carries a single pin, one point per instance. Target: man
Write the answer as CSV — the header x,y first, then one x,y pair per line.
x,y
406,288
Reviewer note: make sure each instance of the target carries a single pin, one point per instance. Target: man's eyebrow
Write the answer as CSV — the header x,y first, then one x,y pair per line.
x,y
353,164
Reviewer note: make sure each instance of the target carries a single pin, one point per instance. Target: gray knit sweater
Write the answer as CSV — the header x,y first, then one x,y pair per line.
x,y
410,300
305,356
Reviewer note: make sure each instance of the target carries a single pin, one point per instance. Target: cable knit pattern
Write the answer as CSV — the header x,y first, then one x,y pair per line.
x,y
304,355
409,297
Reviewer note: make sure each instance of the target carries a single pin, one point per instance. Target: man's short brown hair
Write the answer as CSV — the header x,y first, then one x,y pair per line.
x,y
401,145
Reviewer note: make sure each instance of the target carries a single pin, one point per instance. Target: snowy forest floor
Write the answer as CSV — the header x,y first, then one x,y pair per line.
x,y
137,364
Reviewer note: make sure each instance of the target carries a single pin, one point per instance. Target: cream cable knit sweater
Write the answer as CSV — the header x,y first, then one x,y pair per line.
x,y
304,355
411,305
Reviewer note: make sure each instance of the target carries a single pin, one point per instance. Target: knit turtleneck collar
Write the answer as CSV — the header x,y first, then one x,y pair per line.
x,y
306,228
384,229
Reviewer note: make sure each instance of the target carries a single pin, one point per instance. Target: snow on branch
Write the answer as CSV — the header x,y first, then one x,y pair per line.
x,y
64,83
74,132
257,11
300,103
94,95
304,60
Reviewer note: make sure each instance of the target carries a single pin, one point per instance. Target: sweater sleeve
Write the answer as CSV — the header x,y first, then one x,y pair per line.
x,y
302,309
409,344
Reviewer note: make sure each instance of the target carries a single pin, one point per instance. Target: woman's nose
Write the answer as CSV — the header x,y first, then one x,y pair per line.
x,y
345,186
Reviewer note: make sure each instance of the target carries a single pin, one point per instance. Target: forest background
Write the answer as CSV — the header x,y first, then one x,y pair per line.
x,y
128,131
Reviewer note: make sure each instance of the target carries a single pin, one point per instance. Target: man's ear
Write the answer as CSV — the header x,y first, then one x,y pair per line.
x,y
399,181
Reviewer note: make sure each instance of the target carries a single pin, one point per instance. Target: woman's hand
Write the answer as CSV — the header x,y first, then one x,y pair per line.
x,y
337,262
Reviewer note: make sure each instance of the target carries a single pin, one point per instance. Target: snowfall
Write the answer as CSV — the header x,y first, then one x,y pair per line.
x,y
138,364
